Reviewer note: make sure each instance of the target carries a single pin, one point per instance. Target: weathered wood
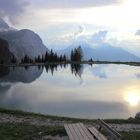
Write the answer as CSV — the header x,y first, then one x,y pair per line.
x,y
83,134
114,133
74,134
78,132
69,132
85,130
97,134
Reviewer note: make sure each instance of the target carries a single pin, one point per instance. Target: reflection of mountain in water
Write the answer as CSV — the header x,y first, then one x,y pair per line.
x,y
20,74
4,71
30,74
10,75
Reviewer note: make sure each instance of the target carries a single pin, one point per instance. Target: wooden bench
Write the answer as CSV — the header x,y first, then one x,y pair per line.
x,y
97,134
78,131
114,134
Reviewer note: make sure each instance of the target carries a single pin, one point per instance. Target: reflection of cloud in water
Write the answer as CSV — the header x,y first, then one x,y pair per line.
x,y
61,93
137,75
4,88
98,71
84,109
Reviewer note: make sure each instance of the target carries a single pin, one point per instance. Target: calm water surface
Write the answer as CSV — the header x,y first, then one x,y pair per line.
x,y
98,91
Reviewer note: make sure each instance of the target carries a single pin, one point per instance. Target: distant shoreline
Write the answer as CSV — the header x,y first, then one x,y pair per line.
x,y
74,62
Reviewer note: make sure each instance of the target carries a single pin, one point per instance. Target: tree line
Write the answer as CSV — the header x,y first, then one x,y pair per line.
x,y
51,56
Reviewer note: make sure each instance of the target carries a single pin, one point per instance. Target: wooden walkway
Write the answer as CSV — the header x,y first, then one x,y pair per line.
x,y
78,131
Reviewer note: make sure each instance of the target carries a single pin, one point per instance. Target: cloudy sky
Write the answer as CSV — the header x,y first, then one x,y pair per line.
x,y
65,20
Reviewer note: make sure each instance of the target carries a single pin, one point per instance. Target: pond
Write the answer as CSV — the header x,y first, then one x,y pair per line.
x,y
85,91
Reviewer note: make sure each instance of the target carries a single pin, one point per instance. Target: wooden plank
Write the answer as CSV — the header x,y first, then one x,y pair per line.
x,y
78,132
88,134
73,132
85,137
69,132
114,133
97,134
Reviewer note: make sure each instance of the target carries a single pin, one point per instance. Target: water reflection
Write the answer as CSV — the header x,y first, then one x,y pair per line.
x,y
77,69
19,74
106,91
4,71
133,97
28,74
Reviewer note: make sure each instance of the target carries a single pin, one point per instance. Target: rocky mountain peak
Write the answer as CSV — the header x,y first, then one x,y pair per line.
x,y
3,24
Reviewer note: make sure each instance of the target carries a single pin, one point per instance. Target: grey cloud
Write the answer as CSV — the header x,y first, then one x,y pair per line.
x,y
80,31
99,37
137,32
12,9
76,3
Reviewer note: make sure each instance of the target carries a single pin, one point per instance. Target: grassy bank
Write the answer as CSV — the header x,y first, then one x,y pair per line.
x,y
24,130
10,131
20,131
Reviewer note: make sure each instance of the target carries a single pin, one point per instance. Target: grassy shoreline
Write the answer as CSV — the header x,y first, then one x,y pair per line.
x,y
23,130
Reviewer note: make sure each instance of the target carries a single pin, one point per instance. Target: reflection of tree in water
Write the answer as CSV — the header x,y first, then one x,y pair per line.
x,y
26,67
4,71
77,69
51,68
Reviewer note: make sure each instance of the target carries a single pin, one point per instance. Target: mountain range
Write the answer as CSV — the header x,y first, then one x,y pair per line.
x,y
5,54
22,42
103,52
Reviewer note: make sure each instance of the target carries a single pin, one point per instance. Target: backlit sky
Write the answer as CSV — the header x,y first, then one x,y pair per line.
x,y
66,20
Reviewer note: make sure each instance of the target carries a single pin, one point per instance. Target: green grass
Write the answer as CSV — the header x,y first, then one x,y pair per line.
x,y
130,135
11,131
123,121
23,131
20,131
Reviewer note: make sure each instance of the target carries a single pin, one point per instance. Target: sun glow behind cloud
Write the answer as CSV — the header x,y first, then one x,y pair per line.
x,y
133,97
